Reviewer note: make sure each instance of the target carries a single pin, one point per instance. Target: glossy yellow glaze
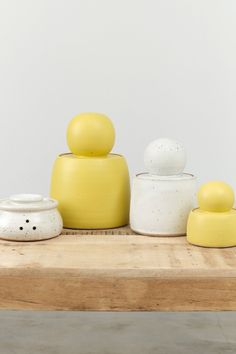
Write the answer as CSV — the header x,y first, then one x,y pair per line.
x,y
91,185
213,224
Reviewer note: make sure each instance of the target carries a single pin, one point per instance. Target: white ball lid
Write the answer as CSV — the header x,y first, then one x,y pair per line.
x,y
165,157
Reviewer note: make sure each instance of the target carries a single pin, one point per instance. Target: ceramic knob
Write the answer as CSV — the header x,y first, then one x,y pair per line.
x,y
165,157
216,197
90,134
26,198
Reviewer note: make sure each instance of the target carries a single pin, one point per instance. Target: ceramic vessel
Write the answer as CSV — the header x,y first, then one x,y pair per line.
x,y
162,198
90,183
213,224
29,217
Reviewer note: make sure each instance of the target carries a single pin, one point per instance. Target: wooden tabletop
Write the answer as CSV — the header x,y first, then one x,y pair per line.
x,y
116,270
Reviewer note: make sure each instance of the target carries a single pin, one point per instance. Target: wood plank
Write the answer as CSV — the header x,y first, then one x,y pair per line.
x,y
116,270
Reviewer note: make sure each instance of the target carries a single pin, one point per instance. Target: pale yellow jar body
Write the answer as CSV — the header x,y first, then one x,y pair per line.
x,y
211,229
93,192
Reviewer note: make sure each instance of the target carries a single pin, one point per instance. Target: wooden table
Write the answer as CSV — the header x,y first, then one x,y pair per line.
x,y
116,270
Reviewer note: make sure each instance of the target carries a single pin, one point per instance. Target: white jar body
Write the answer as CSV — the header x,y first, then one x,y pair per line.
x,y
160,207
30,225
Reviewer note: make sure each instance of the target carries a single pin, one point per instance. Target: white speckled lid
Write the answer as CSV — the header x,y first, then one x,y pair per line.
x,y
180,177
27,202
165,157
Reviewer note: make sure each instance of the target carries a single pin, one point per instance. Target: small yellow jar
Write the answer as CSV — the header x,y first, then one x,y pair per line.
x,y
91,185
213,224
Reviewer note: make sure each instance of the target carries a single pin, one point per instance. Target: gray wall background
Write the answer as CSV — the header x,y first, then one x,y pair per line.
x,y
158,68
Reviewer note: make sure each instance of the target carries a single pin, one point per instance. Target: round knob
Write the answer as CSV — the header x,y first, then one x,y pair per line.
x,y
216,197
90,134
165,157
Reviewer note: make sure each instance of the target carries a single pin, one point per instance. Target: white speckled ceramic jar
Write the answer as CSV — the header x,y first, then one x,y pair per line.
x,y
29,217
162,198
160,205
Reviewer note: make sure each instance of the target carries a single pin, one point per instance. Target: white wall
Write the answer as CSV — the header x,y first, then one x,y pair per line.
x,y
156,67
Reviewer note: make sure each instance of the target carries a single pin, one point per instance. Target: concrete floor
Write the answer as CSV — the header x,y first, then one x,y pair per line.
x,y
117,333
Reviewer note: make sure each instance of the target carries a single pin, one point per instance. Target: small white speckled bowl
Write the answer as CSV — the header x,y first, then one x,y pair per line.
x,y
29,217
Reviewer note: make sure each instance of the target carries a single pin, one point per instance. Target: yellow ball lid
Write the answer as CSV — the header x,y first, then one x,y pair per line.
x,y
90,134
216,196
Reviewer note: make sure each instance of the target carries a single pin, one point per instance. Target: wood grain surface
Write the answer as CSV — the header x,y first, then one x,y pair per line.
x,y
116,270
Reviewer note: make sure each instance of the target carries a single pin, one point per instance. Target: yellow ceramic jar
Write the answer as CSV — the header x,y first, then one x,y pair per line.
x,y
213,224
91,185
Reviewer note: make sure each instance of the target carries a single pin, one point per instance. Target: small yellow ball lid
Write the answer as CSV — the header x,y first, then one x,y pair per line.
x,y
216,196
90,134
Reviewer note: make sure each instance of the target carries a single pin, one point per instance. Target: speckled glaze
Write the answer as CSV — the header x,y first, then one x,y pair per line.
x,y
165,157
162,198
160,205
29,217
